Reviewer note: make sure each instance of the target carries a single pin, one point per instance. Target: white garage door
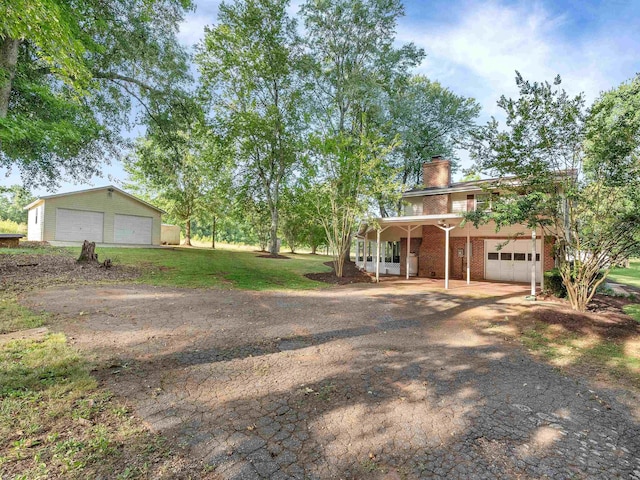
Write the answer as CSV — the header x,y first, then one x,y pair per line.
x,y
79,225
511,263
132,229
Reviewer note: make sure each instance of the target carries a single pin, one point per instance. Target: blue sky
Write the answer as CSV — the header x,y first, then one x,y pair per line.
x,y
473,47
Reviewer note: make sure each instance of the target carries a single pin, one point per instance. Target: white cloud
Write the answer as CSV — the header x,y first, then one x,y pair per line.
x,y
478,54
192,29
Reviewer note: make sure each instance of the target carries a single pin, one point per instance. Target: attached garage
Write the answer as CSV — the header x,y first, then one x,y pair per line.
x,y
105,215
510,262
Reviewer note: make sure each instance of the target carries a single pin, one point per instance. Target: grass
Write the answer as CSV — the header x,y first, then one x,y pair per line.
x,y
564,348
200,267
14,317
56,422
627,276
633,310
195,267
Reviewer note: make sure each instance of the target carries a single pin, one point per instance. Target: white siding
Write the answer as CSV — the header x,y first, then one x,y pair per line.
x,y
104,201
413,206
34,223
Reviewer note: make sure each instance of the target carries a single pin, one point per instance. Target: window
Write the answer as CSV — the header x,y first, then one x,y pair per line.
x,y
484,201
520,257
537,257
492,256
36,220
505,256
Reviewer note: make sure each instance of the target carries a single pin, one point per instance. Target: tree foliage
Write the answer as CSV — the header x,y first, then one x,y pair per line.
x,y
69,73
571,171
179,165
351,43
250,63
13,199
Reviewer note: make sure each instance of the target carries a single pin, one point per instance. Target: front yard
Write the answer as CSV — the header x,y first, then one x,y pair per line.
x,y
192,363
56,421
179,267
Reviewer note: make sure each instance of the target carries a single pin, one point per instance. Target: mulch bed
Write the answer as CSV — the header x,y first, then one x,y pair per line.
x,y
21,271
604,318
351,274
277,257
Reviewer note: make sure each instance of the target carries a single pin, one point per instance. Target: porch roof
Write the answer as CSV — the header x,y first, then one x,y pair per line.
x,y
411,220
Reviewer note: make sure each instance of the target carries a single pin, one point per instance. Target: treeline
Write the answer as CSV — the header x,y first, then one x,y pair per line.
x,y
299,127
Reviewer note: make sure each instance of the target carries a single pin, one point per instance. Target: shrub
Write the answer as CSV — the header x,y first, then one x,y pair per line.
x,y
553,283
8,226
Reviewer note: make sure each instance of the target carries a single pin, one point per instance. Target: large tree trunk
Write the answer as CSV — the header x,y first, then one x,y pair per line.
x,y
213,233
273,232
313,249
8,62
338,265
347,253
187,233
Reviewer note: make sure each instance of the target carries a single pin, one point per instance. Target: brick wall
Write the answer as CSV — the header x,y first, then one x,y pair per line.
x,y
436,173
431,257
415,248
549,260
459,265
435,204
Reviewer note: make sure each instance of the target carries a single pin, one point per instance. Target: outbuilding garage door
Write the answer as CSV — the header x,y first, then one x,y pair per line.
x,y
511,263
79,225
132,229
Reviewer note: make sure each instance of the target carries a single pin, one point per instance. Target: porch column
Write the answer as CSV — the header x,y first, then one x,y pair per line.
x,y
357,251
377,255
468,256
365,249
542,262
533,263
408,249
446,229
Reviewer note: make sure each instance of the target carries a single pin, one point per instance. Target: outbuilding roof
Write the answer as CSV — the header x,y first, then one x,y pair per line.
x,y
107,187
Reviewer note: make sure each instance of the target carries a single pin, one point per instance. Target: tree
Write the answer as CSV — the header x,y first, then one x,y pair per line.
x,y
69,73
429,120
572,172
13,199
351,43
175,163
250,63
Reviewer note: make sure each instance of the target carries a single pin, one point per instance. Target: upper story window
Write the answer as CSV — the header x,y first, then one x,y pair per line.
x,y
484,201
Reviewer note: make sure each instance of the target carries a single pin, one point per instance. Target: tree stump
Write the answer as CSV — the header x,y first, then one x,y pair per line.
x,y
106,264
87,254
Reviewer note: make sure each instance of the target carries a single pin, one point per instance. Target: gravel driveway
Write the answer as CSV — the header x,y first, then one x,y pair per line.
x,y
388,381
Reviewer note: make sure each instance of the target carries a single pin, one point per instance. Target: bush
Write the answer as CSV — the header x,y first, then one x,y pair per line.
x,y
553,283
7,226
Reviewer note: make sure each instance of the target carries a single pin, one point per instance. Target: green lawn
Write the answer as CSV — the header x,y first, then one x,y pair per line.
x,y
201,267
627,276
14,317
194,267
55,421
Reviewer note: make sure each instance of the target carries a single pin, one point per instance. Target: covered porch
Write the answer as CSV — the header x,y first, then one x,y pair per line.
x,y
408,246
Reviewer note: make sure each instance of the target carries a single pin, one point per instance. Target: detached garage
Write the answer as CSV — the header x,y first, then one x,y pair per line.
x,y
102,215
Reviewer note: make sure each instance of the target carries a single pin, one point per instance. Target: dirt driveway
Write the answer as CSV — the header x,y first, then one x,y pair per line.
x,y
385,381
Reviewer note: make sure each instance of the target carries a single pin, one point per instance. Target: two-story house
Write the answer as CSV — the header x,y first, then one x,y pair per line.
x,y
442,245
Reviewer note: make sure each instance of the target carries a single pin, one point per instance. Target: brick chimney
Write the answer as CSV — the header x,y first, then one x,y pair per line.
x,y
436,173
